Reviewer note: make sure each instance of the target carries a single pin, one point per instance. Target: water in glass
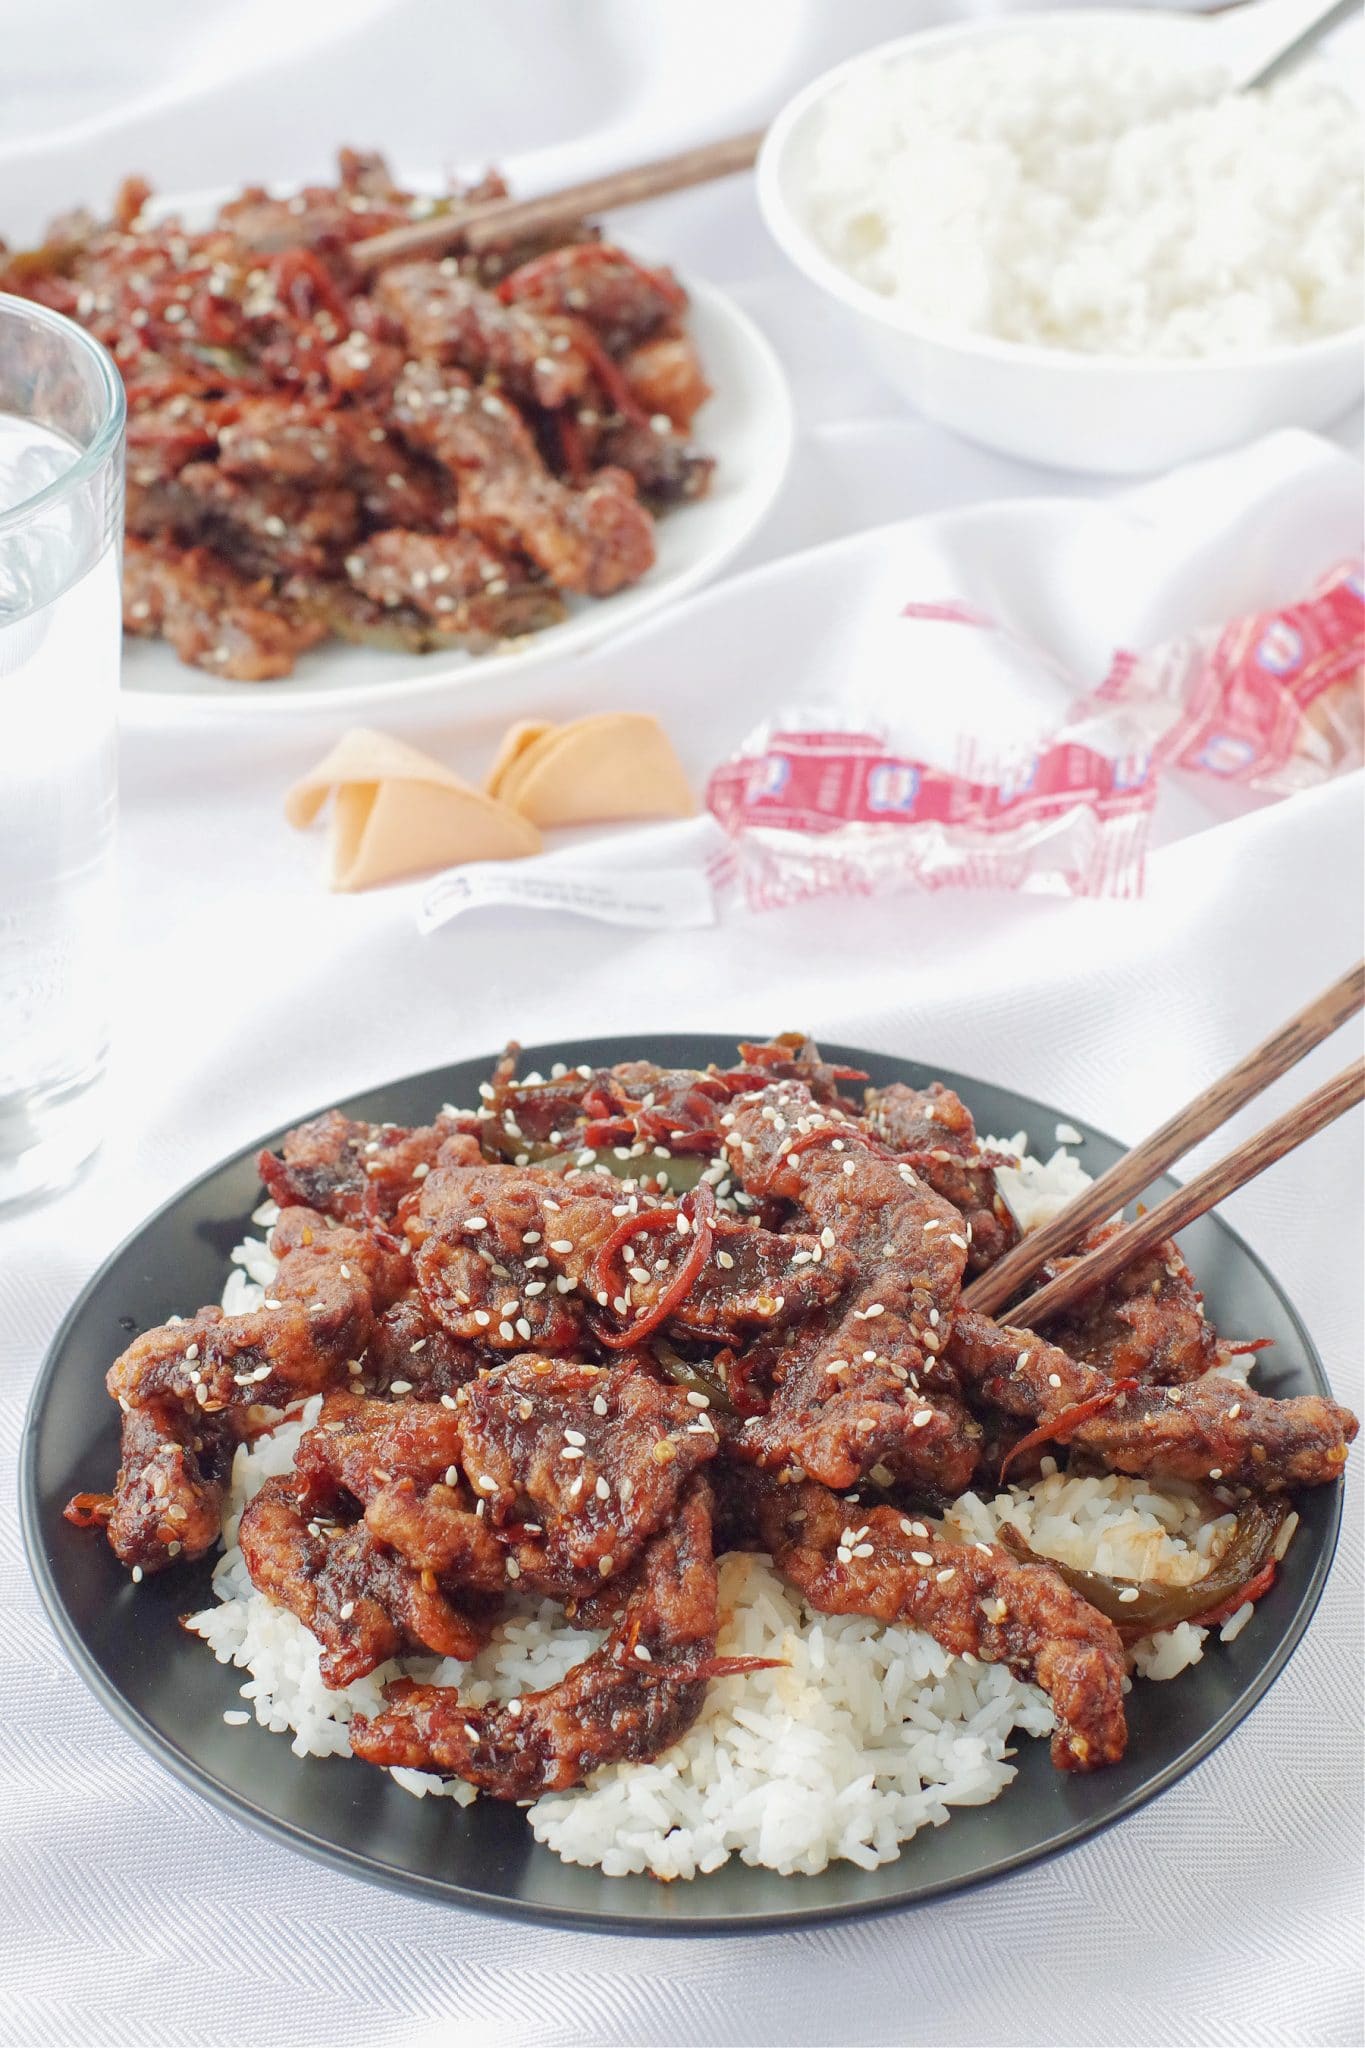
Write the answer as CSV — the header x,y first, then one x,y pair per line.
x,y
59,654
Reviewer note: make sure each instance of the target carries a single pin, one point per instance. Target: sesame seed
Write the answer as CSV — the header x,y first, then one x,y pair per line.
x,y
476,1223
922,1417
347,1610
695,1400
235,1718
599,1405
602,1490
137,1574
505,1331
561,1244
862,1550
1128,1594
513,1568
643,1654
571,1451
400,1386
1054,1379
574,1436
921,1557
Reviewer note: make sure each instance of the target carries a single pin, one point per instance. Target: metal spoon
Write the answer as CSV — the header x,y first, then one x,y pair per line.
x,y
1274,34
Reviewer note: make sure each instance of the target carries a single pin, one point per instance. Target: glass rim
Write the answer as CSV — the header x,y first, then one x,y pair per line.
x,y
105,441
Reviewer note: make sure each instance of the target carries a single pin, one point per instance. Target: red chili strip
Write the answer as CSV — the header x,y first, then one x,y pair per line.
x,y
602,1280
89,1510
615,388
1062,1425
572,453
698,1207
1255,1588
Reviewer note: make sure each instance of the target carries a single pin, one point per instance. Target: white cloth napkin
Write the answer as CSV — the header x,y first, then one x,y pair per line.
x,y
132,1912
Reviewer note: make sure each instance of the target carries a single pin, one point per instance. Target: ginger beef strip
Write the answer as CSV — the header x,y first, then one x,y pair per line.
x,y
452,319
975,1598
579,1465
167,1503
932,1130
1209,1429
632,1698
865,1386
359,1598
594,540
1147,1324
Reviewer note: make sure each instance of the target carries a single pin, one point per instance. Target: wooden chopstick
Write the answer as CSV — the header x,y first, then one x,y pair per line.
x,y
1187,1128
1242,1164
474,227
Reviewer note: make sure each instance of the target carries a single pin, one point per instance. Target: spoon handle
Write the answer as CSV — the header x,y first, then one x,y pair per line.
x,y
1271,35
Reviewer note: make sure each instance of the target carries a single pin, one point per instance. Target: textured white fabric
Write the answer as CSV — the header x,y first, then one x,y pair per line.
x,y
130,1912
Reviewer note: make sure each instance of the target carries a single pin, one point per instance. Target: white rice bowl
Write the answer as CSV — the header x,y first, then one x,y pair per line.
x,y
865,1734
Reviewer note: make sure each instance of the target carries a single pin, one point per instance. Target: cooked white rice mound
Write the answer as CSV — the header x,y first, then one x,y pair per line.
x,y
1055,187
867,1734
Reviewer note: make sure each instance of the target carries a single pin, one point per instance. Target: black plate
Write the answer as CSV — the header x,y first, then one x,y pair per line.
x,y
169,1692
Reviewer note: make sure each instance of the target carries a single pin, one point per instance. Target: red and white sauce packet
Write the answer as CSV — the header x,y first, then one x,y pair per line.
x,y
819,803
1275,701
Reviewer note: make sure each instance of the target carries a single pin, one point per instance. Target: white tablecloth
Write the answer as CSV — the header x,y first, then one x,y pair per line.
x,y
129,1910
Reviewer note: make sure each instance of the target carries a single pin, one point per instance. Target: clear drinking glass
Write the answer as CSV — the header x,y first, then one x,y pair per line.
x,y
61,511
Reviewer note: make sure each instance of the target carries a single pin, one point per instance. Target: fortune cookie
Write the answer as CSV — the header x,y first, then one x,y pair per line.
x,y
618,764
515,742
397,811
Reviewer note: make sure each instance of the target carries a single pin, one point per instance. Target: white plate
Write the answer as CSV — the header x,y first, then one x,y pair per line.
x,y
747,426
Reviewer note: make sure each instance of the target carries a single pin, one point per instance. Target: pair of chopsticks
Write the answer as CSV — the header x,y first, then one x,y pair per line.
x,y
497,220
1127,1179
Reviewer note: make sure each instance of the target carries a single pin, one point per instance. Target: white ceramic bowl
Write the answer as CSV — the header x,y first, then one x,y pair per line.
x,y
1066,409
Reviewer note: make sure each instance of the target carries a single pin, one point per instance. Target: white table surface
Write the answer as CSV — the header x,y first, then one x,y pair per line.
x,y
1228,1912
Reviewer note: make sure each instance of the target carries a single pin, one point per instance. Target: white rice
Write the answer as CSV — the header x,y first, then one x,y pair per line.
x,y
866,1735
1056,187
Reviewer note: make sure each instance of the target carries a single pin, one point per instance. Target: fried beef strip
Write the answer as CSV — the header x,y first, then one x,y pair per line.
x,y
932,1130
350,1170
434,573
865,1386
215,617
400,1462
622,301
324,1298
666,377
594,540
512,1257
452,319
167,1501
1208,1429
636,1694
411,1355
975,1599
1147,1324
579,1466
667,469
360,1600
